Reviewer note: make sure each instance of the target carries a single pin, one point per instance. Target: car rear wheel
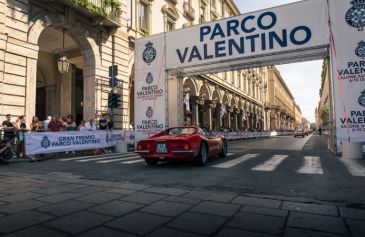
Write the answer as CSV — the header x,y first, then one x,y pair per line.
x,y
224,150
151,161
203,155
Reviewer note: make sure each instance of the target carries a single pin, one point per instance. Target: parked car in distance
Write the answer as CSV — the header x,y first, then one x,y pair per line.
x,y
182,143
299,133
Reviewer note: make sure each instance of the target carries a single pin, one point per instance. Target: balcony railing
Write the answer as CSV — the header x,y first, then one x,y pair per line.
x,y
107,9
189,11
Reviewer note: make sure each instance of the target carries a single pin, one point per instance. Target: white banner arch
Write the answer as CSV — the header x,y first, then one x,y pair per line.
x,y
296,32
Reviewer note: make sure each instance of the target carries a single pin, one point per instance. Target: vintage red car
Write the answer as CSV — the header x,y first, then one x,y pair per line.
x,y
182,143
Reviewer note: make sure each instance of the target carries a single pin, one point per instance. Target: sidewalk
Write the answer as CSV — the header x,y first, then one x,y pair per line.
x,y
62,204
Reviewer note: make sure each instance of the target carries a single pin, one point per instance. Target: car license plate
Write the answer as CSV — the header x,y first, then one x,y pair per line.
x,y
161,148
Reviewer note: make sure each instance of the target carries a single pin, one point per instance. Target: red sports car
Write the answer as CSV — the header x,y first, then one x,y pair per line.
x,y
182,143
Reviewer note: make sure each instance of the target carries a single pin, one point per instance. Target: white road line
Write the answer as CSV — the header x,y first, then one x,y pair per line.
x,y
353,167
133,161
84,157
312,165
103,158
229,154
271,164
231,163
114,160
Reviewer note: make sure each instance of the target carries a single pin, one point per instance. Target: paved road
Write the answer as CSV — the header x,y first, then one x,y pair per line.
x,y
270,187
285,166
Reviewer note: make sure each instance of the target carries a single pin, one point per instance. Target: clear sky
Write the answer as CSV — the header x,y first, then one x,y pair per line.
x,y
303,79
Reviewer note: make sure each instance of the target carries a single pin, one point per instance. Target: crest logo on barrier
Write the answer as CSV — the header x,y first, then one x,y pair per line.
x,y
131,136
149,54
361,99
355,16
149,112
149,78
45,143
360,50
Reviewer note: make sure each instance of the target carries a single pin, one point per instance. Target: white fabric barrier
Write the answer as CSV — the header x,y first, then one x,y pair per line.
x,y
129,136
242,135
49,142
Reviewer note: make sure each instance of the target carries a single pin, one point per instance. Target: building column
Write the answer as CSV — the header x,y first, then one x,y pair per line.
x,y
235,121
253,121
194,111
209,117
66,93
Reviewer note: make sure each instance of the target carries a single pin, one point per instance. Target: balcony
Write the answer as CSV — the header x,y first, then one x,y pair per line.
x,y
101,12
189,11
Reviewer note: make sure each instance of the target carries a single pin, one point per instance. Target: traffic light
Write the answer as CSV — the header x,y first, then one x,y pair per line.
x,y
114,100
110,100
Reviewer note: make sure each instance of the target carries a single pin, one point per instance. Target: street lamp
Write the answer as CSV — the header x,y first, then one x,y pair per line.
x,y
62,62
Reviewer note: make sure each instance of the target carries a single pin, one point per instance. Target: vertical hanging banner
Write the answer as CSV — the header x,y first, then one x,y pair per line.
x,y
348,68
150,89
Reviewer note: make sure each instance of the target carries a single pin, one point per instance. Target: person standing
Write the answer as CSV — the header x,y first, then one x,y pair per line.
x,y
103,123
109,127
55,125
110,123
21,126
34,125
90,124
70,124
9,128
46,122
82,126
320,131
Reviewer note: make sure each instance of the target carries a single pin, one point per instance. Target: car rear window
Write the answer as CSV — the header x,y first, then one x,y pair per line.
x,y
181,131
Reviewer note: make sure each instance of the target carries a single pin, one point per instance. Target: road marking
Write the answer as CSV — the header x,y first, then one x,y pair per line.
x,y
84,157
353,167
114,160
312,165
132,161
231,163
271,164
229,154
103,158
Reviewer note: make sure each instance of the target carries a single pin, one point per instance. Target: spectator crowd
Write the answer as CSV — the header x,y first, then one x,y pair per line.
x,y
14,131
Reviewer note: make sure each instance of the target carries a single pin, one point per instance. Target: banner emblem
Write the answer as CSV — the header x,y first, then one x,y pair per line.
x,y
149,78
149,54
131,136
361,99
149,112
355,16
360,50
45,143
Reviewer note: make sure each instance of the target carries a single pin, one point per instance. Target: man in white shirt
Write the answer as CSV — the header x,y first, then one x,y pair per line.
x,y
46,122
90,125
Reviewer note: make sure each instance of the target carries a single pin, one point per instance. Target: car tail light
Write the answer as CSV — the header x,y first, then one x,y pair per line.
x,y
186,147
139,147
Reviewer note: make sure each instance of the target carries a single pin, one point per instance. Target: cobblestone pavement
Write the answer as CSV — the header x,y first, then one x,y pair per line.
x,y
62,204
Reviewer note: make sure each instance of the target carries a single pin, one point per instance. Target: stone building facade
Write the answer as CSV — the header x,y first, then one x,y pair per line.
x,y
285,113
298,116
324,105
34,34
228,100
